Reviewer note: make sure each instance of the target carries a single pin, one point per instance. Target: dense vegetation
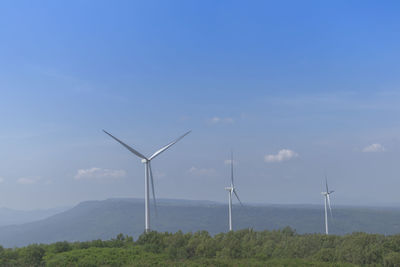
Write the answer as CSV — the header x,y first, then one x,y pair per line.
x,y
241,248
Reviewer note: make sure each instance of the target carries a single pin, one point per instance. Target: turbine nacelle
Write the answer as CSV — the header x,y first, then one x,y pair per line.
x,y
145,161
327,193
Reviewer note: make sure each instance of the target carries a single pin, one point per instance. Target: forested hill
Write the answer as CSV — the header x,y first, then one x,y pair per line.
x,y
105,219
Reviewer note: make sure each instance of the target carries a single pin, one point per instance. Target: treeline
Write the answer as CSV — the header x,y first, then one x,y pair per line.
x,y
239,248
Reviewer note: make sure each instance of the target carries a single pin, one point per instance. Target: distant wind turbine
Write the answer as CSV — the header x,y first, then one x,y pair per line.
x,y
327,204
231,190
148,175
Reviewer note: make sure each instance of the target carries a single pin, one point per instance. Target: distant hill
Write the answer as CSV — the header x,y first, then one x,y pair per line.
x,y
11,216
105,219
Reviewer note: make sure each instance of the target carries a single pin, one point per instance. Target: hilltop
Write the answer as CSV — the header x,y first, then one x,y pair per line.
x,y
105,219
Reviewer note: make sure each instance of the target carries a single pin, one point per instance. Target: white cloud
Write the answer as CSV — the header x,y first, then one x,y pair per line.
x,y
374,148
99,173
228,120
229,161
202,171
219,120
215,120
282,155
28,180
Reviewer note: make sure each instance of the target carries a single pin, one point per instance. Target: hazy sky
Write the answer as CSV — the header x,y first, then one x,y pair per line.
x,y
294,88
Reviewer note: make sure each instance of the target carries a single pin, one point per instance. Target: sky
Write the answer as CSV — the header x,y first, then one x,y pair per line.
x,y
296,89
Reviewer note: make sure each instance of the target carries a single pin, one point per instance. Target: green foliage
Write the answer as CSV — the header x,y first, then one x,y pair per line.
x,y
392,259
59,247
31,255
95,256
240,248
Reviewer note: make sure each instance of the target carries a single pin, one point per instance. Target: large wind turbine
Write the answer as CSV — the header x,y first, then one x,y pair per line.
x,y
148,175
327,204
231,190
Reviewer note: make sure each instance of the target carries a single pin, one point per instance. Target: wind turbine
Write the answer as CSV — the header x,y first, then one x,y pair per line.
x,y
148,175
231,190
327,203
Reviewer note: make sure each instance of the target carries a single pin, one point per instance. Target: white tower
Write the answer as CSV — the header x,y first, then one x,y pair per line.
x,y
231,189
327,202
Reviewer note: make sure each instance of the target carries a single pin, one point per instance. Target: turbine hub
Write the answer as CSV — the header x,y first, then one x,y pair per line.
x,y
144,160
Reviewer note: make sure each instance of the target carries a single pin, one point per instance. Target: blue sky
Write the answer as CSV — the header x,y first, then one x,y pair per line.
x,y
316,79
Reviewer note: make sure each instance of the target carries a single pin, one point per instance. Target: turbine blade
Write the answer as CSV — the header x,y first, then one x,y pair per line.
x,y
326,183
158,152
234,191
126,146
329,204
152,189
232,184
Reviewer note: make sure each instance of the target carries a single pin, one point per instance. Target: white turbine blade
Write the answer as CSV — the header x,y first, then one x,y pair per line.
x,y
234,191
326,183
158,152
331,192
126,146
152,189
329,205
232,184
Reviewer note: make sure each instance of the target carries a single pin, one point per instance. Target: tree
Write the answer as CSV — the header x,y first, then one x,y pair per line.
x,y
392,259
32,255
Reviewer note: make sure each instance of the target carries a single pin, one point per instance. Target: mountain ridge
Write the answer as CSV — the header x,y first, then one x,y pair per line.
x,y
104,219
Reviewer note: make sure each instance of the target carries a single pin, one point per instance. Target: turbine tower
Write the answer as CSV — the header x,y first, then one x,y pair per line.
x,y
231,189
327,204
148,175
